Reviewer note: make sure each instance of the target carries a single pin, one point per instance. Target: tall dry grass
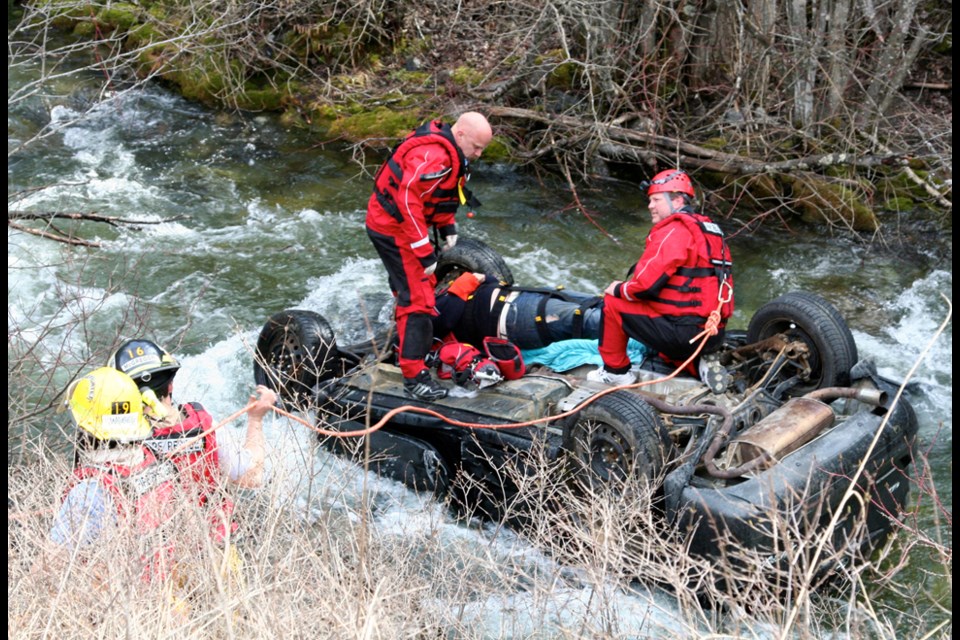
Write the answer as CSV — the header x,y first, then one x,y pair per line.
x,y
572,563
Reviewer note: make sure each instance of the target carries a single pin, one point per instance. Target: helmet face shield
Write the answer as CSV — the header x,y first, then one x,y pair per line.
x,y
106,403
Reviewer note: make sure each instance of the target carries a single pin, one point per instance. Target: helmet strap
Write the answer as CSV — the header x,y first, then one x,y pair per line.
x,y
670,196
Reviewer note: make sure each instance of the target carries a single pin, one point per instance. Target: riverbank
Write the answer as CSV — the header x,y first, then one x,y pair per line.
x,y
360,78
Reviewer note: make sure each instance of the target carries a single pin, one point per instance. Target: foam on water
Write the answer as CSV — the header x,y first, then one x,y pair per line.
x,y
918,312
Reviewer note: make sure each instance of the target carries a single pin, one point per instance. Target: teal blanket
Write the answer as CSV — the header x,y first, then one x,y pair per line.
x,y
570,354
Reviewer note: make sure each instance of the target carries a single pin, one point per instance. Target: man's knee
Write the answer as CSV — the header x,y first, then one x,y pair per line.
x,y
417,336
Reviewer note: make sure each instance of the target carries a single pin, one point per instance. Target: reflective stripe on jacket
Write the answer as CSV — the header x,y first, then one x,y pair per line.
x,y
682,267
419,186
144,492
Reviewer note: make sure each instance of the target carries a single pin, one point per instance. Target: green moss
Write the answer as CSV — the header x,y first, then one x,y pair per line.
x,y
200,80
899,204
497,151
552,56
466,76
292,117
143,34
67,20
264,99
846,172
121,15
85,29
822,202
352,81
404,46
158,12
359,122
898,185
380,122
945,46
717,144
411,78
563,76
150,58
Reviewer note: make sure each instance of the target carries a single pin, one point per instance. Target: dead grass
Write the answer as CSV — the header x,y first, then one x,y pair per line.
x,y
371,560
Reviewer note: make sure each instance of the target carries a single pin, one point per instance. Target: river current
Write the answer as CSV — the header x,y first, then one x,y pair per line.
x,y
243,218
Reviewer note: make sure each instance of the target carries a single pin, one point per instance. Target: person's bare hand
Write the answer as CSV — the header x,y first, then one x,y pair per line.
x,y
612,287
266,400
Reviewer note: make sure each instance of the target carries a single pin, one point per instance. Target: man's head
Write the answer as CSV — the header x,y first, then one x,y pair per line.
x,y
147,363
472,133
669,191
107,407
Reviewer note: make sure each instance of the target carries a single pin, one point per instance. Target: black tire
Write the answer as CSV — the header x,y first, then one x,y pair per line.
x,y
471,255
296,350
616,437
810,318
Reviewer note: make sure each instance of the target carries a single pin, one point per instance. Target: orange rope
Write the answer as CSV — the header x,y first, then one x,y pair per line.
x,y
204,434
710,329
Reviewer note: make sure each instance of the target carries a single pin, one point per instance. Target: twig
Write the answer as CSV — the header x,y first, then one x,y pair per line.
x,y
579,205
53,236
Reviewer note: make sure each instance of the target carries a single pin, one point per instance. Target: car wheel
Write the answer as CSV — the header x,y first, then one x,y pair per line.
x,y
474,256
818,324
295,351
616,438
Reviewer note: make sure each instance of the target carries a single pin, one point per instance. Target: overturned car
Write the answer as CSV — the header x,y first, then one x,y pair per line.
x,y
784,424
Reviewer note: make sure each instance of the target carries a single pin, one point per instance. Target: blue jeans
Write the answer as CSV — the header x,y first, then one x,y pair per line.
x,y
521,320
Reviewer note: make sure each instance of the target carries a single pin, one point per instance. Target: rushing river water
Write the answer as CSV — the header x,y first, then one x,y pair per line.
x,y
243,218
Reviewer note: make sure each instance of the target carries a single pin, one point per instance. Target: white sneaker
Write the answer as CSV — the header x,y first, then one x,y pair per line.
x,y
603,376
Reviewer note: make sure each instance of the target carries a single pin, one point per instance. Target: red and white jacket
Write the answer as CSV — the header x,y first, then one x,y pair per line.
x,y
418,187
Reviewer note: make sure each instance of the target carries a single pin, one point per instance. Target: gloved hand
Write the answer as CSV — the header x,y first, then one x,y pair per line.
x,y
429,270
451,241
154,406
465,284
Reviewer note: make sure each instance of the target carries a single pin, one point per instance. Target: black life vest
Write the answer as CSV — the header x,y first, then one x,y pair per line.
x,y
447,196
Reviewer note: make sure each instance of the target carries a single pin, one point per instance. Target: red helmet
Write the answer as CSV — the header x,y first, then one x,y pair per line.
x,y
506,356
466,365
668,181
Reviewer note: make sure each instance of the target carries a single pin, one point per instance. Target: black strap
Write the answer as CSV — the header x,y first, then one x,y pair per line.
x,y
581,312
541,320
696,272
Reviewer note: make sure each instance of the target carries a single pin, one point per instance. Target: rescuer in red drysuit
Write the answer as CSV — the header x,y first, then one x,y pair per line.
x,y
684,274
122,478
420,186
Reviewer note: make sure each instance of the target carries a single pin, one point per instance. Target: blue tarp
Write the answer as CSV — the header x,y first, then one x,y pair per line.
x,y
570,354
